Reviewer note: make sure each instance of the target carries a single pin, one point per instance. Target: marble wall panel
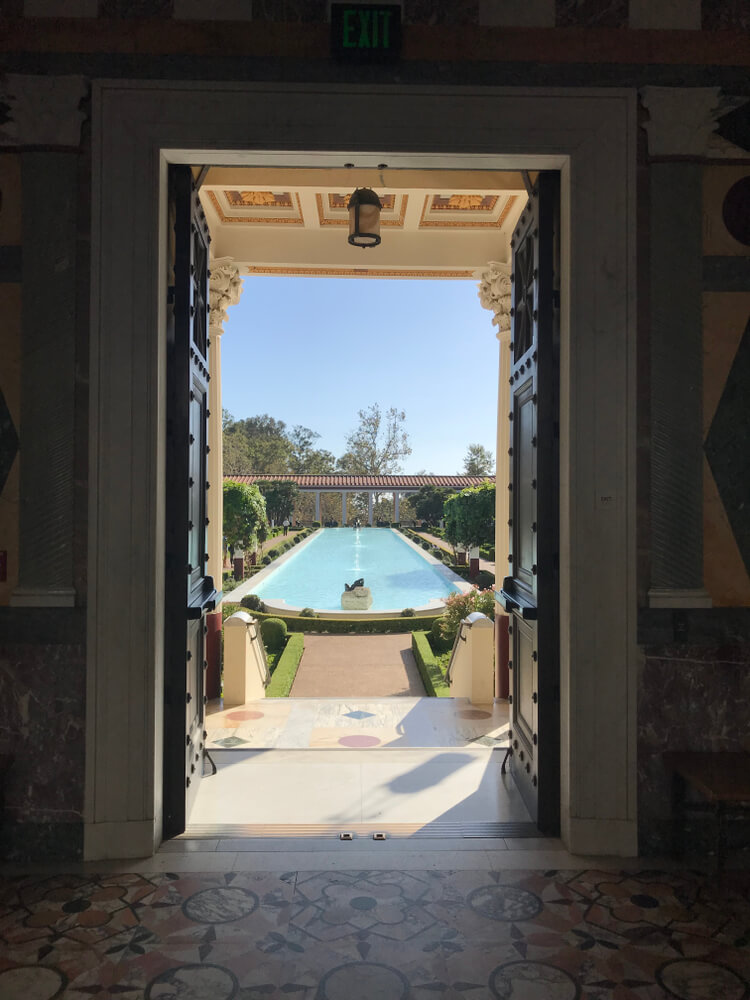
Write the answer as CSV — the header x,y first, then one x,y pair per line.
x,y
592,13
42,716
289,10
135,8
726,15
441,12
689,698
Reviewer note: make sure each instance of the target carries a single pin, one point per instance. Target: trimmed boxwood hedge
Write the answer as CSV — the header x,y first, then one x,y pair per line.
x,y
429,669
286,667
341,626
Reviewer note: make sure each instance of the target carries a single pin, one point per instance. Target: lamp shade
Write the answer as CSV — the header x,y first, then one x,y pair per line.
x,y
364,218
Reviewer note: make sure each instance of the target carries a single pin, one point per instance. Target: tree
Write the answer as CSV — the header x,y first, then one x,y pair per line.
x,y
304,458
377,446
280,496
470,516
478,461
428,503
245,519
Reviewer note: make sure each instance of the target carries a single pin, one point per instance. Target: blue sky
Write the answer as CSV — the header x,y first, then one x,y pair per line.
x,y
314,351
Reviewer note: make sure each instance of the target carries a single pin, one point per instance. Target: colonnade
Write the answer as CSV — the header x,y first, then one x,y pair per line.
x,y
371,494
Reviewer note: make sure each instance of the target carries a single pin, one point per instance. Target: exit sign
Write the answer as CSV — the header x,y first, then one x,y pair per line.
x,y
366,33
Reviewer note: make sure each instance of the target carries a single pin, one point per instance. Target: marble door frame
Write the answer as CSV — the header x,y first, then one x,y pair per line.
x,y
589,135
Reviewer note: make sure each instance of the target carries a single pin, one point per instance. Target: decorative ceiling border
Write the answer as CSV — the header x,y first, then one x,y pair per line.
x,y
345,222
355,272
459,224
257,221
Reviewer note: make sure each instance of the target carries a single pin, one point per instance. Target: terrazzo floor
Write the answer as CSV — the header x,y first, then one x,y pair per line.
x,y
300,723
500,933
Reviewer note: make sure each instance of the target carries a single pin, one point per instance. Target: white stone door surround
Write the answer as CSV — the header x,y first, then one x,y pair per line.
x,y
589,135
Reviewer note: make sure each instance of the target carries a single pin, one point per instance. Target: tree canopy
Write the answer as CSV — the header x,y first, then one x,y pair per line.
x,y
280,497
470,516
245,520
478,461
428,503
378,444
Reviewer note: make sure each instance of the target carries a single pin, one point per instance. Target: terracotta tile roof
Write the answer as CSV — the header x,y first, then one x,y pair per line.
x,y
385,483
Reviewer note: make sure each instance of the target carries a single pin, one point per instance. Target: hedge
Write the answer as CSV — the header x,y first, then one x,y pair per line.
x,y
429,669
285,671
341,626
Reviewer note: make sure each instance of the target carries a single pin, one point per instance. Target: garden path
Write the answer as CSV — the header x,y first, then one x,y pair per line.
x,y
442,544
347,666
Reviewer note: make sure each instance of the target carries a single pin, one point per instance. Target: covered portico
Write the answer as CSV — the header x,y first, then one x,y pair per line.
x,y
397,486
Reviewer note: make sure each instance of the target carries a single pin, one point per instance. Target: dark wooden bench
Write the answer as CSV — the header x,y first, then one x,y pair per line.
x,y
723,779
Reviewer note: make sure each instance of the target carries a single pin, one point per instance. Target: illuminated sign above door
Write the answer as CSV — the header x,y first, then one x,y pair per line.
x,y
366,33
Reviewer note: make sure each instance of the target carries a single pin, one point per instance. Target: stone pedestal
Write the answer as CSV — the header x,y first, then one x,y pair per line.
x,y
359,599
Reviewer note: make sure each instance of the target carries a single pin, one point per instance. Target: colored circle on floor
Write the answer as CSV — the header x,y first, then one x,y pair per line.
x,y
244,716
365,981
359,740
220,905
532,981
474,713
32,982
504,902
691,979
204,980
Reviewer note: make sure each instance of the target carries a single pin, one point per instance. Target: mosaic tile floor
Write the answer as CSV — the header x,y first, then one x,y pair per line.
x,y
376,935
301,723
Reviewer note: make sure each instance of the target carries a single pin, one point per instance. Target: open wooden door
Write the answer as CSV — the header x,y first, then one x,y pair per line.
x,y
190,593
531,591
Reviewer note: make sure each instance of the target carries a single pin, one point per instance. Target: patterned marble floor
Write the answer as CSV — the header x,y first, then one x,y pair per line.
x,y
300,723
376,935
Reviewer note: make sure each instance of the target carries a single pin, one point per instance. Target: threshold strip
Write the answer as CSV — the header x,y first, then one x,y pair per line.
x,y
475,830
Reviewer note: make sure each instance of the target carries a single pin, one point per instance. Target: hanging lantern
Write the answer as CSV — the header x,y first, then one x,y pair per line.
x,y
364,218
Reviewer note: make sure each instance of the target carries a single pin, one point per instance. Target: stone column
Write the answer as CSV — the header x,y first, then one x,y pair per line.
x,y
680,125
495,295
396,499
317,505
370,496
44,122
343,506
225,289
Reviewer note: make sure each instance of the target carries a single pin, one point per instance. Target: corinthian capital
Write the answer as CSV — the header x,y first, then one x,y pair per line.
x,y
681,119
224,289
43,110
494,293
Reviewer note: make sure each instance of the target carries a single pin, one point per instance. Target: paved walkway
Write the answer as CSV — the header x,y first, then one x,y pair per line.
x,y
347,666
445,546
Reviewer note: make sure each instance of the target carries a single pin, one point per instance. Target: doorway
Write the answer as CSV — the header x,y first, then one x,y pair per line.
x,y
589,138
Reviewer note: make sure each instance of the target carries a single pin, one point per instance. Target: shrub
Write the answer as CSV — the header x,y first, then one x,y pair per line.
x,y
298,539
458,606
395,524
408,613
432,676
484,579
286,668
436,552
425,545
316,524
273,631
273,553
253,602
266,560
307,613
342,626
437,640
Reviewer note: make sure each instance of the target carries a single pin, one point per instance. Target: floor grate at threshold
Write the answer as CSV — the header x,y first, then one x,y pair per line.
x,y
476,830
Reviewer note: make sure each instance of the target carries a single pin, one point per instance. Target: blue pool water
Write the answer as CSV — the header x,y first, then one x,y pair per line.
x,y
396,574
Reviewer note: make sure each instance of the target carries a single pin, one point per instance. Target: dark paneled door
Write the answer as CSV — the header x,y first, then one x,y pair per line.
x,y
531,591
190,593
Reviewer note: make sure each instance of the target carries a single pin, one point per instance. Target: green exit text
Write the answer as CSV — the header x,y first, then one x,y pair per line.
x,y
366,29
